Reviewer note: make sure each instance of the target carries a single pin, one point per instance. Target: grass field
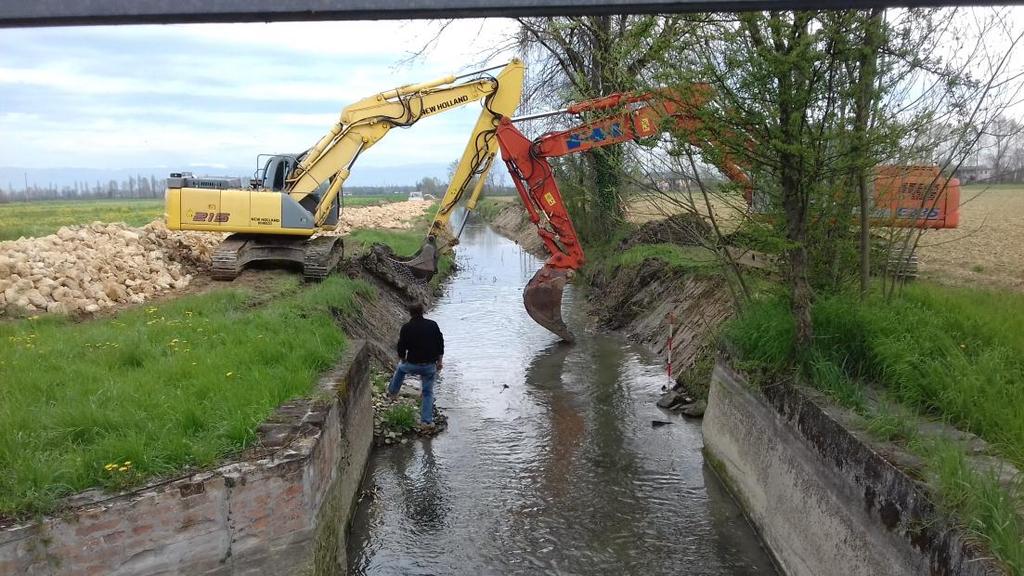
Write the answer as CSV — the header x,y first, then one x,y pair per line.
x,y
953,352
19,219
358,201
165,387
987,249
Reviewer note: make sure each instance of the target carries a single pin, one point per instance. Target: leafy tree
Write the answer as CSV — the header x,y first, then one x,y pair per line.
x,y
581,57
808,102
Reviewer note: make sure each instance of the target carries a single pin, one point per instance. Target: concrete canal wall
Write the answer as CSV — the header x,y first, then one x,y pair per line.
x,y
823,500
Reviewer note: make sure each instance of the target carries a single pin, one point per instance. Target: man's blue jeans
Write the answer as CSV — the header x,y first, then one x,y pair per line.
x,y
427,373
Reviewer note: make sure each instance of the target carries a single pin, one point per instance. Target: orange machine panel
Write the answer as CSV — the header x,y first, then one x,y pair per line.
x,y
915,196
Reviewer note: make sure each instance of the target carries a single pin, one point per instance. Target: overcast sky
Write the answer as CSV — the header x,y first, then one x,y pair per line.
x,y
172,96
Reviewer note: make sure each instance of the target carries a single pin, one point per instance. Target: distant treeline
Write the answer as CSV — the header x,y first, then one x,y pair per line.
x,y
132,187
152,187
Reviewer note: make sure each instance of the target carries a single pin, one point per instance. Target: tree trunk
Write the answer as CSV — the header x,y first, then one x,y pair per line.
x,y
606,162
607,165
800,294
868,71
794,206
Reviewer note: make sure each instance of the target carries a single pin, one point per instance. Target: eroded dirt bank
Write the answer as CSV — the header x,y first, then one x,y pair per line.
x,y
383,312
512,222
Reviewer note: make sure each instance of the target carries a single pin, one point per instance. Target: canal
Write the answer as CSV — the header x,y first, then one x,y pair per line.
x,y
555,460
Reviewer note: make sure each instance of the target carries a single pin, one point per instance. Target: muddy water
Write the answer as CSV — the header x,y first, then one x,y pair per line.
x,y
550,464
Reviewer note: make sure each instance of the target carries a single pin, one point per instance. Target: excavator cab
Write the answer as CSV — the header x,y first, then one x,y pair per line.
x,y
273,176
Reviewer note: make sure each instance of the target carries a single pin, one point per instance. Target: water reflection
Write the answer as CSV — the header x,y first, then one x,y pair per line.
x,y
550,464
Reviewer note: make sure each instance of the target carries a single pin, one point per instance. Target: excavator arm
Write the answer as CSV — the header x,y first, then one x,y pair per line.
x,y
501,100
634,116
363,123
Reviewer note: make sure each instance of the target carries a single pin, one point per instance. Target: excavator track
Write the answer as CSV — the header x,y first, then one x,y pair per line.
x,y
317,256
321,257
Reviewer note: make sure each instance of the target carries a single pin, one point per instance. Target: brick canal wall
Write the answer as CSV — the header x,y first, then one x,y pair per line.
x,y
823,500
280,509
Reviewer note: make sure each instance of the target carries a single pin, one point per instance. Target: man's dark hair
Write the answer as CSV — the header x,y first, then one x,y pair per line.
x,y
415,309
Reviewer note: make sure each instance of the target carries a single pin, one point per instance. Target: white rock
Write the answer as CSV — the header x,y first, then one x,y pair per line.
x,y
36,299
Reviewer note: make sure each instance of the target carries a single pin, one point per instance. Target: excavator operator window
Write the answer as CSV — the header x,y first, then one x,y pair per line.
x,y
277,170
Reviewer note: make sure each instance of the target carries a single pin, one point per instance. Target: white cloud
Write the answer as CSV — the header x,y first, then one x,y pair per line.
x,y
121,97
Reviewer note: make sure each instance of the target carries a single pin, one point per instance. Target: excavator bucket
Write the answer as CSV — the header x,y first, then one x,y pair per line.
x,y
423,264
543,300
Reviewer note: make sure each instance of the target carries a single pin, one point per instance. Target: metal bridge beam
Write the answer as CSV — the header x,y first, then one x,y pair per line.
x,y
20,13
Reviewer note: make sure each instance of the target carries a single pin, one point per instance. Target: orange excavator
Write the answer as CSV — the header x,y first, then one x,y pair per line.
x,y
634,116
905,196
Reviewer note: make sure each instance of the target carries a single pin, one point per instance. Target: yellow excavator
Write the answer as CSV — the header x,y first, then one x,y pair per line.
x,y
293,197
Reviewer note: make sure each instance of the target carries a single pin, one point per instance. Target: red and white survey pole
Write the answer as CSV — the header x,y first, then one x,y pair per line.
x,y
668,350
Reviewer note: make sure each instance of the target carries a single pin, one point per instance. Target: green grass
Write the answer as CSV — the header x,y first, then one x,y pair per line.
x,y
378,200
489,208
41,218
891,426
403,242
400,418
687,258
166,387
976,497
951,353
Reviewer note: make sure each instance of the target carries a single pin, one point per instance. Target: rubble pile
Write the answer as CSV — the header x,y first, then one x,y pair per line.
x,y
92,267
393,215
96,266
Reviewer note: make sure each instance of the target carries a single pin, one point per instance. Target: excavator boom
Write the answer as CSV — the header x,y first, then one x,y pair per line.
x,y
471,171
535,182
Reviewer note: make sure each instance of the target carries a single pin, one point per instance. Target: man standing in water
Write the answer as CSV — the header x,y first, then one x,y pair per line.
x,y
420,352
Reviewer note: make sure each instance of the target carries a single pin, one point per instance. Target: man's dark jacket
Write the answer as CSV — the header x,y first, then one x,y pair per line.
x,y
420,341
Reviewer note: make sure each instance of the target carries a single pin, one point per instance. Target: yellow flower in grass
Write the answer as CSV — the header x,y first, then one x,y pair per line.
x,y
229,374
